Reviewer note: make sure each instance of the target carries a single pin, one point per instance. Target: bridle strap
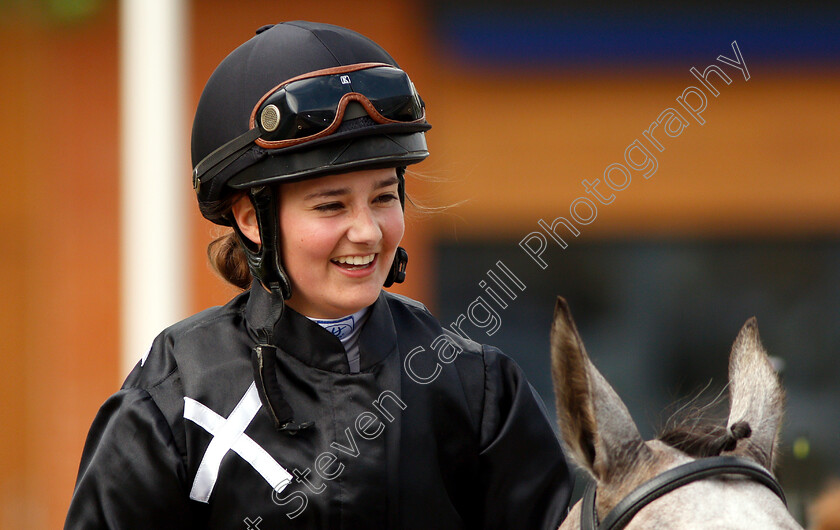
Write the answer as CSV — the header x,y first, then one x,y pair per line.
x,y
668,481
588,513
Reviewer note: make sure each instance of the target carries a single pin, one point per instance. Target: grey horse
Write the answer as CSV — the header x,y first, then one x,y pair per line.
x,y
602,439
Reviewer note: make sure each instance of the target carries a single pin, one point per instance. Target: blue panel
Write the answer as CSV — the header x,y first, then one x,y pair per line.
x,y
544,37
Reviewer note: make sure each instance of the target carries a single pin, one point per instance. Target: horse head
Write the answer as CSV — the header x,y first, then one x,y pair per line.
x,y
642,484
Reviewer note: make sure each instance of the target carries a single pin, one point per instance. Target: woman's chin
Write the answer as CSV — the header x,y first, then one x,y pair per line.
x,y
358,301
338,306
356,294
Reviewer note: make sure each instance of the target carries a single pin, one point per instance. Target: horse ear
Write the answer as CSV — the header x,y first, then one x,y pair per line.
x,y
596,425
755,396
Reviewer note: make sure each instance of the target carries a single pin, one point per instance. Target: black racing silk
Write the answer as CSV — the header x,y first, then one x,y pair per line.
x,y
469,447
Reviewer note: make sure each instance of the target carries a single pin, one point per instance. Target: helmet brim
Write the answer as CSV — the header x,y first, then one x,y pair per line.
x,y
348,154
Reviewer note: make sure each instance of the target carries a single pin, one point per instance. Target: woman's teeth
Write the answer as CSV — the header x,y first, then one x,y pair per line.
x,y
355,262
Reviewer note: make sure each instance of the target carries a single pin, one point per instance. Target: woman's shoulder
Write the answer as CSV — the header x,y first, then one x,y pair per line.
x,y
196,342
408,308
209,319
398,300
450,343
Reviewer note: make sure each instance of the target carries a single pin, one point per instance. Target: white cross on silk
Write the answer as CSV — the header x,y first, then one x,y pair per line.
x,y
229,434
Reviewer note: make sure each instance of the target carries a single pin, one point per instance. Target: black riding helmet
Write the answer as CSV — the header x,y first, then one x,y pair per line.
x,y
298,100
237,128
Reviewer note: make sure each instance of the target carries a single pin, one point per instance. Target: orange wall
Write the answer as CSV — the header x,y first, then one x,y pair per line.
x,y
515,144
765,161
58,135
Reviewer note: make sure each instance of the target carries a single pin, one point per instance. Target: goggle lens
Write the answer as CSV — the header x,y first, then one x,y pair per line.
x,y
310,107
391,92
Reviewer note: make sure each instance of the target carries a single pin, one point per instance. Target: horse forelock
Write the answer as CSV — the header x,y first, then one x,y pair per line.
x,y
700,439
703,440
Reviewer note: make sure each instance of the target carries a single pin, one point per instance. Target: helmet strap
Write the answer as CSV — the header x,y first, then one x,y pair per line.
x,y
264,261
397,272
401,185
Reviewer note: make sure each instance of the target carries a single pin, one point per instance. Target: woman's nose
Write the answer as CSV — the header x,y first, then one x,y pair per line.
x,y
364,228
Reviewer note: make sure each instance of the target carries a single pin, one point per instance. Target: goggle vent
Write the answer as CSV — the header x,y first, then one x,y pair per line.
x,y
270,118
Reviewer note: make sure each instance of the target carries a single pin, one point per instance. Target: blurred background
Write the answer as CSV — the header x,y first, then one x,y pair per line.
x,y
740,218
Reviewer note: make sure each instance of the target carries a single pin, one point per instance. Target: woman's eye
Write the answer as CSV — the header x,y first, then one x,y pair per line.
x,y
386,198
329,207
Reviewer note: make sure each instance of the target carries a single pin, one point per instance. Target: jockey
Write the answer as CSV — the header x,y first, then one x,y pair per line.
x,y
290,406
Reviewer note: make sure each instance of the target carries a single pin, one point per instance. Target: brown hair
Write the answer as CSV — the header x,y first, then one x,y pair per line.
x,y
227,258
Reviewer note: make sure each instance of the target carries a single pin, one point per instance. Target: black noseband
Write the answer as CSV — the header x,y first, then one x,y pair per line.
x,y
667,482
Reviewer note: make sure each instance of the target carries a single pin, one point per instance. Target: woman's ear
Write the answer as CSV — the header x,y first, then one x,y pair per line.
x,y
246,218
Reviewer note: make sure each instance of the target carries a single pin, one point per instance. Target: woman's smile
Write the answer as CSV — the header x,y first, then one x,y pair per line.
x,y
354,262
356,266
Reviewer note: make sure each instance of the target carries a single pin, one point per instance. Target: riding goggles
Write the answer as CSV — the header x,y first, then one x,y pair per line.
x,y
313,105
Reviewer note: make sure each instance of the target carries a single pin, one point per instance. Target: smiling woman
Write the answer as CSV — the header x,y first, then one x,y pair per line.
x,y
226,418
338,235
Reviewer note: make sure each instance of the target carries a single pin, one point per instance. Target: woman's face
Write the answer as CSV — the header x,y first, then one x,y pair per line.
x,y
339,234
